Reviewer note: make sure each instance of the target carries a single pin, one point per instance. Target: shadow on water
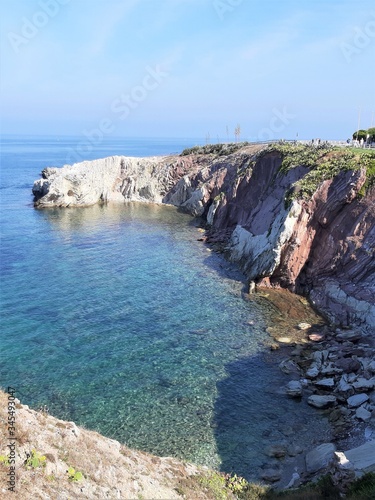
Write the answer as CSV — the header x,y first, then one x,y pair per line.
x,y
252,413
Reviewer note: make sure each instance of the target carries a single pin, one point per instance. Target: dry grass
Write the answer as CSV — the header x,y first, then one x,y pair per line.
x,y
110,470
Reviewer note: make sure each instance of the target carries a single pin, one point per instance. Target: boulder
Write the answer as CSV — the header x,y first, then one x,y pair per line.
x,y
284,340
321,401
316,337
341,471
350,335
294,450
319,457
318,357
357,400
330,369
313,371
348,365
363,414
363,457
327,383
304,326
362,384
294,480
294,389
343,385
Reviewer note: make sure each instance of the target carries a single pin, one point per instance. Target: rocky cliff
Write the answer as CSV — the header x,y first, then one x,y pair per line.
x,y
293,216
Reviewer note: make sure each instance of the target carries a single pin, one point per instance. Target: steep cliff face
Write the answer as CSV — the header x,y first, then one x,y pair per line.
x,y
323,246
291,216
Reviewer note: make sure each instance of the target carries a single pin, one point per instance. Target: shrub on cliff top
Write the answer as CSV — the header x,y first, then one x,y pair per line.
x,y
324,162
360,134
371,133
217,149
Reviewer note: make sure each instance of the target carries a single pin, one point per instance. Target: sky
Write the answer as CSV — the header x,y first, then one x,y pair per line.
x,y
278,69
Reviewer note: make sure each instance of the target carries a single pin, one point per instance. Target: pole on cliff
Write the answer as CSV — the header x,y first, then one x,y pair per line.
x,y
359,120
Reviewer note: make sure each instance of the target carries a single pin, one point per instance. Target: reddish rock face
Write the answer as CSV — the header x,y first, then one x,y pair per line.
x,y
330,251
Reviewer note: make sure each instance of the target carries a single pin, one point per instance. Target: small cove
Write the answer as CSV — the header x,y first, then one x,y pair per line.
x,y
116,317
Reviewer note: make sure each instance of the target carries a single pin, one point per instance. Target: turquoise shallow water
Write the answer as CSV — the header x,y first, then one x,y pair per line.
x,y
116,317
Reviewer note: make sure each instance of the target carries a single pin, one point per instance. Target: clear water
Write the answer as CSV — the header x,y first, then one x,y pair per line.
x,y
116,317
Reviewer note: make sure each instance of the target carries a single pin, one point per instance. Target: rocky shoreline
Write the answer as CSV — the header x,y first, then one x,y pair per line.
x,y
333,370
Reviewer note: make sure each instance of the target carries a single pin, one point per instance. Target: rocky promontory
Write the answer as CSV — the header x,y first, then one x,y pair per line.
x,y
294,216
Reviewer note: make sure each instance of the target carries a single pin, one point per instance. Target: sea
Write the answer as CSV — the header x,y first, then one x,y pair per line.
x,y
118,318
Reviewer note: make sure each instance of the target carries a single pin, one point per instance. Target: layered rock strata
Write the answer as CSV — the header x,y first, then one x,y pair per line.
x,y
322,247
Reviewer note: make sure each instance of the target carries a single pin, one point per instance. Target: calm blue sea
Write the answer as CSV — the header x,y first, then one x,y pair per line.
x,y
116,317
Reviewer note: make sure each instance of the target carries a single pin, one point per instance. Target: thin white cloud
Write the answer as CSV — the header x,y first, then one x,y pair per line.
x,y
113,15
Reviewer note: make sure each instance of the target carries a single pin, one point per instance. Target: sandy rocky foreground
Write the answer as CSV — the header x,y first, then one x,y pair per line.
x,y
110,470
334,370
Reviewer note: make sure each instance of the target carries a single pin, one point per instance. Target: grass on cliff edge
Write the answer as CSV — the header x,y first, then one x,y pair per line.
x,y
216,149
220,486
325,162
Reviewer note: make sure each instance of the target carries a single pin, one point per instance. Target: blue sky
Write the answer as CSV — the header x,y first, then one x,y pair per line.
x,y
188,68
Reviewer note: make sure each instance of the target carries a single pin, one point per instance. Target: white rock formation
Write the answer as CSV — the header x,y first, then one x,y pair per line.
x,y
319,457
117,178
363,457
263,251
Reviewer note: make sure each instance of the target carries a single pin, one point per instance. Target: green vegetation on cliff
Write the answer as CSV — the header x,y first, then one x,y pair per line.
x,y
325,162
219,486
216,149
364,134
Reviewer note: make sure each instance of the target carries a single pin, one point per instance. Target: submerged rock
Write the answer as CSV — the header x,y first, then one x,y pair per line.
x,y
277,451
321,401
288,367
319,457
271,475
294,389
